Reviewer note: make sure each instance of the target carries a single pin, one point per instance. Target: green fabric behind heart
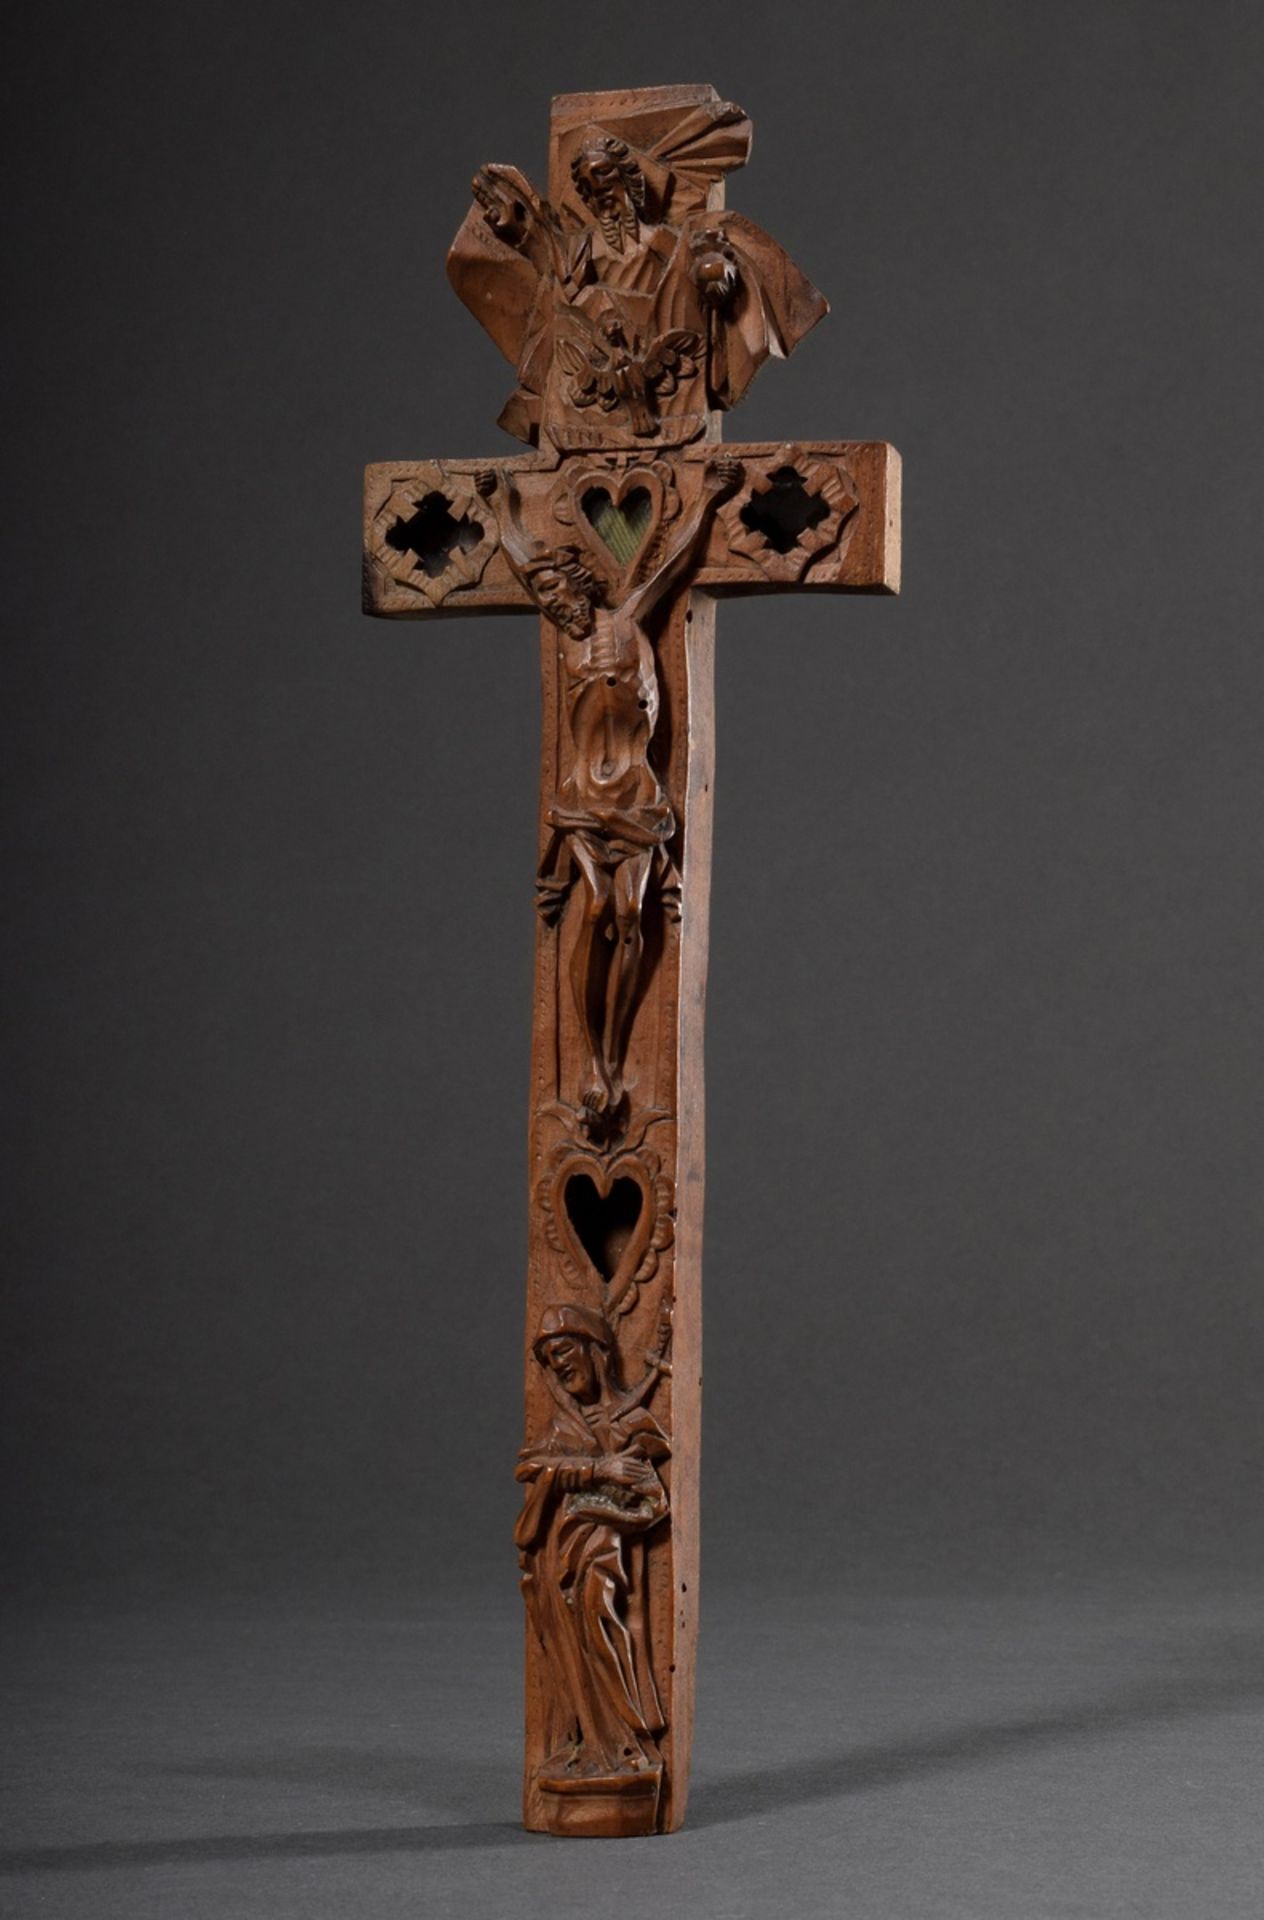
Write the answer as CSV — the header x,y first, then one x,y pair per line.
x,y
623,528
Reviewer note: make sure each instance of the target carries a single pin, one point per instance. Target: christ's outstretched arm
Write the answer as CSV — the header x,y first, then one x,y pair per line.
x,y
512,537
722,477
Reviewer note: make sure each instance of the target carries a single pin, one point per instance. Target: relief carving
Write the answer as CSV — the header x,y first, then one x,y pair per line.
x,y
594,1493
633,294
607,372
620,507
794,510
430,534
608,1217
611,821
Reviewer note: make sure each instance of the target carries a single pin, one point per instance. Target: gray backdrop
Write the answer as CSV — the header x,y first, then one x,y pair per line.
x,y
984,1190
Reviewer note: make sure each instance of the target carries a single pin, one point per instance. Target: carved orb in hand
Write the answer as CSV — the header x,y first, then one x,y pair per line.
x,y
715,271
716,279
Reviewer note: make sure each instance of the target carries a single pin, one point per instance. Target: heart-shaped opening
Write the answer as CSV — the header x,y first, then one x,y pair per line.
x,y
622,526
603,1223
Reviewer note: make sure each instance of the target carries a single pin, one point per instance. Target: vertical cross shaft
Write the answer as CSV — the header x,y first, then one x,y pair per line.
x,y
634,310
612,1587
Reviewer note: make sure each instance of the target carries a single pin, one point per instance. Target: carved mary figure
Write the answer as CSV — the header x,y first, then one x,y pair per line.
x,y
593,1494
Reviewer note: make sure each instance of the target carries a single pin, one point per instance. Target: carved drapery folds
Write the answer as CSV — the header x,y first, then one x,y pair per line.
x,y
630,303
594,1496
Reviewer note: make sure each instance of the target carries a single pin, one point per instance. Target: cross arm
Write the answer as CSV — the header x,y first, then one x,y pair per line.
x,y
816,515
432,543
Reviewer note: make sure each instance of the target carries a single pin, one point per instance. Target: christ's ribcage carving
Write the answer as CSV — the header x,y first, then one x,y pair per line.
x,y
612,825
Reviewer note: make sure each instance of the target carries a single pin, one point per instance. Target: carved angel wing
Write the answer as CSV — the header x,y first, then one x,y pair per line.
x,y
588,365
672,358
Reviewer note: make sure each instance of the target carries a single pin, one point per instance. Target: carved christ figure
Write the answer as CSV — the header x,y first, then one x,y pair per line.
x,y
611,820
593,1494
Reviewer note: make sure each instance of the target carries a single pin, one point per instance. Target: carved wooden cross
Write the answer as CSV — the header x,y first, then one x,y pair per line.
x,y
635,310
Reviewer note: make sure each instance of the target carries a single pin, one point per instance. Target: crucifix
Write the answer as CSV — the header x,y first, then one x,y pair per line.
x,y
635,310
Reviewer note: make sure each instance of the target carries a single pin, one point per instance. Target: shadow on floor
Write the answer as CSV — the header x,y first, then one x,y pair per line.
x,y
1236,1679
342,1842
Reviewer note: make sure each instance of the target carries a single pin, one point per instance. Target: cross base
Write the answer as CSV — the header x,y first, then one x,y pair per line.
x,y
598,1806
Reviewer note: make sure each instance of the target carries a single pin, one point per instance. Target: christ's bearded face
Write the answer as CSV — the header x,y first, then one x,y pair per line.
x,y
562,601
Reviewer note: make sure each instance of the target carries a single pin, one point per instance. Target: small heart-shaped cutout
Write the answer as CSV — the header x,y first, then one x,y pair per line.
x,y
603,1223
622,526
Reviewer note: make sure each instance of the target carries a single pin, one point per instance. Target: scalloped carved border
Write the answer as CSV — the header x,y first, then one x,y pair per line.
x,y
654,1231
403,501
826,480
